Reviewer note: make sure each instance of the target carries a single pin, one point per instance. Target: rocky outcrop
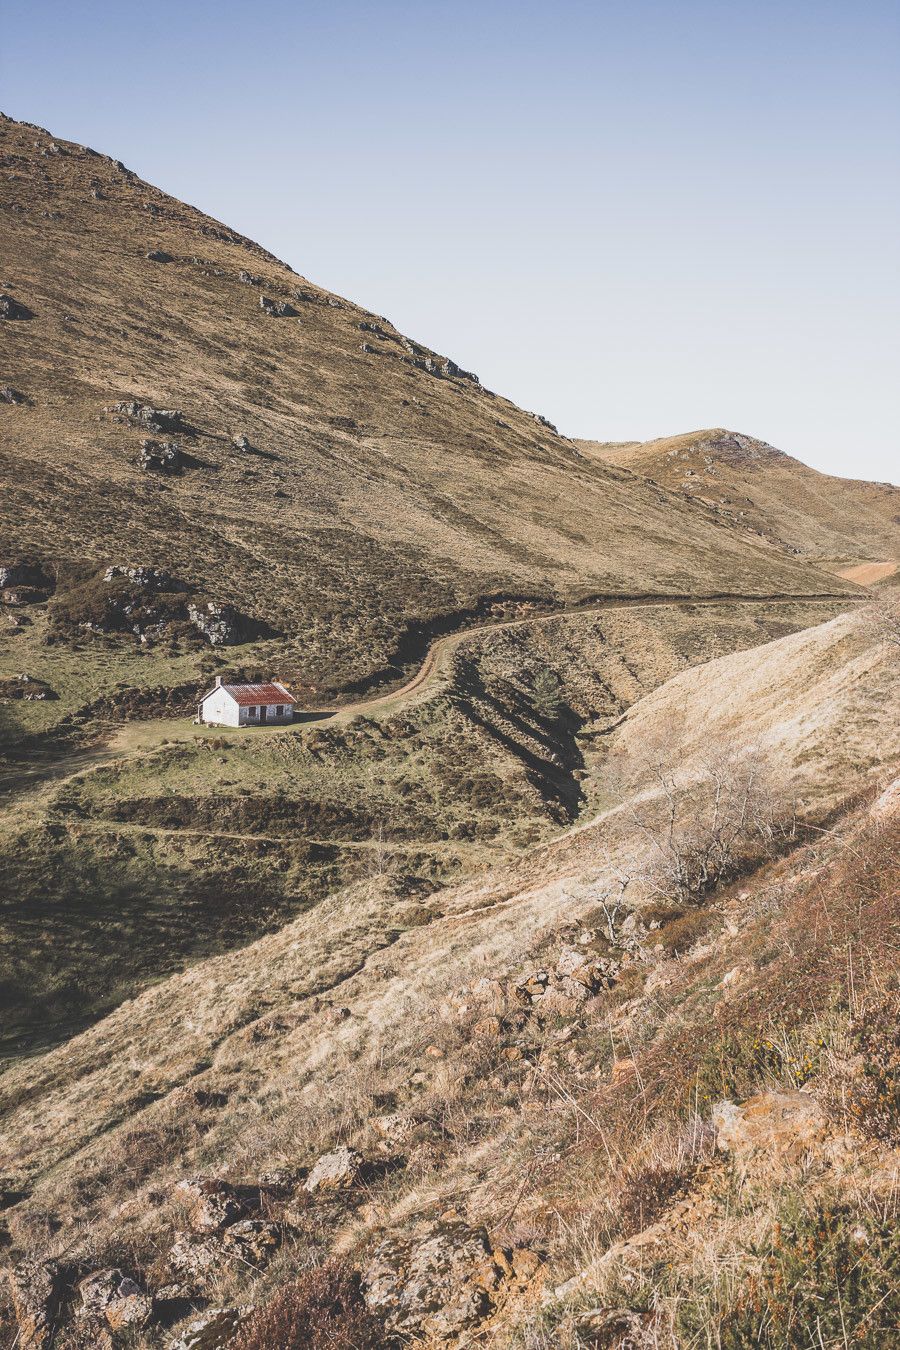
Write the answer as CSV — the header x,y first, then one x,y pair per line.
x,y
221,625
210,1330
791,1127
115,1297
211,1204
145,578
24,574
158,255
168,420
34,1287
160,457
336,1171
279,309
10,395
443,1283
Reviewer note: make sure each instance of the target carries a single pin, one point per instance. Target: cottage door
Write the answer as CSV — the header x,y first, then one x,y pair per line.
x,y
262,714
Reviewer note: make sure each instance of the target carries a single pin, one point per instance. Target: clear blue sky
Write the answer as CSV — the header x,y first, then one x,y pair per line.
x,y
637,218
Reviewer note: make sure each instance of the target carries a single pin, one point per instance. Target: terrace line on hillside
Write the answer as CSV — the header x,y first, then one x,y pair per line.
x,y
246,705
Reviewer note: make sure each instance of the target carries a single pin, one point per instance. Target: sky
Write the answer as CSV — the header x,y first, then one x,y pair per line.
x,y
636,218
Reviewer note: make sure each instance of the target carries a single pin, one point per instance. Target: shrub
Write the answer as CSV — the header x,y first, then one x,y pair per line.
x,y
830,1277
321,1310
684,929
649,1192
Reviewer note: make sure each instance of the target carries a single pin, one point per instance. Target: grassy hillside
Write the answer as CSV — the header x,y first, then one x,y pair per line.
x,y
840,521
583,1130
377,488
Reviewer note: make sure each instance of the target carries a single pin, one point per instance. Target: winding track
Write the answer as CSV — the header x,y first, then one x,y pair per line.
x,y
147,736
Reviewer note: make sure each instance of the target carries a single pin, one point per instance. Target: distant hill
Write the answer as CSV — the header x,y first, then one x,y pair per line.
x,y
337,482
839,521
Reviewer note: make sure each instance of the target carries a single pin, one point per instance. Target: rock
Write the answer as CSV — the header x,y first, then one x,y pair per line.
x,y
211,1330
146,578
155,419
395,1127
441,1284
615,1329
532,987
786,1125
115,1296
279,309
160,457
336,1171
252,1241
193,1257
11,309
250,279
221,625
367,347
158,255
34,1287
487,1026
212,1204
10,395
242,443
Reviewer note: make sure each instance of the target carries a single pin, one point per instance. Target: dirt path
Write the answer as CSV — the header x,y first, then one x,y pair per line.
x,y
866,574
136,738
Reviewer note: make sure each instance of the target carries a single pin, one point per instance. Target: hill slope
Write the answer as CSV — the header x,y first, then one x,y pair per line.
x,y
841,521
378,485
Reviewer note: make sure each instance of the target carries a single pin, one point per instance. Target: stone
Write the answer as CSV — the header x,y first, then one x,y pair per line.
x,y
336,1171
242,444
220,624
116,1297
10,395
250,279
395,1127
439,1285
34,1288
791,1126
614,1329
212,1204
279,309
160,457
146,578
532,987
12,309
155,419
211,1330
158,255
252,1241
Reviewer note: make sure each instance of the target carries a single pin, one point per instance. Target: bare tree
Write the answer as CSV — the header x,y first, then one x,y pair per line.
x,y
703,832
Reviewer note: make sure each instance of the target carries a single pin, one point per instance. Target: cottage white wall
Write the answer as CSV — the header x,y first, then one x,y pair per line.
x,y
220,709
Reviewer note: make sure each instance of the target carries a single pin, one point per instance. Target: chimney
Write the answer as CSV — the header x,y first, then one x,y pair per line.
x,y
218,681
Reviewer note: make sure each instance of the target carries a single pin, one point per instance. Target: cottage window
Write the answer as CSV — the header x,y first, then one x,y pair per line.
x,y
279,710
253,712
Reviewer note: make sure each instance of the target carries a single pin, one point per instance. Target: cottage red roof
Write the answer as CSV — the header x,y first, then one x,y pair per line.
x,y
255,695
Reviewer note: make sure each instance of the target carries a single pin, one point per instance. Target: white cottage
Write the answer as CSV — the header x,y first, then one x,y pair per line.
x,y
246,705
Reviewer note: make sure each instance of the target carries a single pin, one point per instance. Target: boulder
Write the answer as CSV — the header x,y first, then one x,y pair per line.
x,y
791,1126
10,395
532,987
443,1283
34,1288
193,1257
12,309
211,1204
211,1330
242,444
160,457
155,419
336,1171
116,1297
250,279
220,624
279,309
158,255
145,578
